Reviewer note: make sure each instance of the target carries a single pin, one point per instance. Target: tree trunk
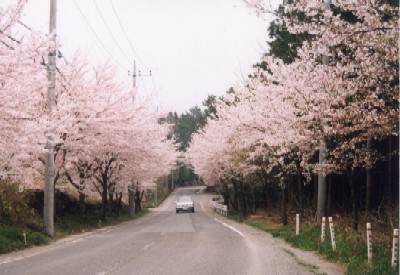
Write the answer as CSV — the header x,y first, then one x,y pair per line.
x,y
235,196
388,179
289,193
300,187
253,208
284,208
110,202
266,196
354,197
82,205
368,191
138,201
226,195
368,187
330,190
103,201
131,202
119,203
315,197
242,200
2,214
265,189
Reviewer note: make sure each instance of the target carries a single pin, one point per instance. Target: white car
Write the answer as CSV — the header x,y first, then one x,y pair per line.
x,y
184,203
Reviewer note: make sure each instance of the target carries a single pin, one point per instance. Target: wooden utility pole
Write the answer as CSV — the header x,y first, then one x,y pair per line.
x,y
48,208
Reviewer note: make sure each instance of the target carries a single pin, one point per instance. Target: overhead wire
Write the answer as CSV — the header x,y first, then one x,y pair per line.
x,y
96,36
155,89
102,44
144,86
154,94
126,37
22,24
110,32
133,49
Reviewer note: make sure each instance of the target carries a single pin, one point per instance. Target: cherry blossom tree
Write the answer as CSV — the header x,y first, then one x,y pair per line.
x,y
22,88
109,141
103,141
281,113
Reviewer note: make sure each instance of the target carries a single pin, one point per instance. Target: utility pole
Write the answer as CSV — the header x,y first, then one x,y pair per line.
x,y
134,75
321,205
48,208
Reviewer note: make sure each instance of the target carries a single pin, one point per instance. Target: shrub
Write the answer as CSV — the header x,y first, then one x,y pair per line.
x,y
36,238
14,208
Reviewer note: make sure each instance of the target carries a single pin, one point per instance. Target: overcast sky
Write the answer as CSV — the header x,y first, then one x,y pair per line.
x,y
193,47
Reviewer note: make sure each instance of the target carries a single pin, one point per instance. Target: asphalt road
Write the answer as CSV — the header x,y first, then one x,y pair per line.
x,y
164,242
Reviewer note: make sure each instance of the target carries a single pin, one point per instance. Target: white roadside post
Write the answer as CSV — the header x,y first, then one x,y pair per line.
x,y
395,247
297,224
323,226
333,241
369,243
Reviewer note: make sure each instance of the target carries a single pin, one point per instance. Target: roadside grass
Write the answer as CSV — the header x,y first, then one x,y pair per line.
x,y
351,249
12,238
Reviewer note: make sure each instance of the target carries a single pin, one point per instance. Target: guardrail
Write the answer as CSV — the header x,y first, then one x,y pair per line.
x,y
219,208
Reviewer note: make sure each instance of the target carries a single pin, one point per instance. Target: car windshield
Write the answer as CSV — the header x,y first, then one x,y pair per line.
x,y
185,199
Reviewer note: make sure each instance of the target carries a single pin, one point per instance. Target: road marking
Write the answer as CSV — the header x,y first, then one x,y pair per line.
x,y
77,240
230,227
41,251
147,246
202,206
11,259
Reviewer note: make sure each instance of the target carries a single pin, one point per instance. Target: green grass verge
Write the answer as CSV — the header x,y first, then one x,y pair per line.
x,y
12,238
350,251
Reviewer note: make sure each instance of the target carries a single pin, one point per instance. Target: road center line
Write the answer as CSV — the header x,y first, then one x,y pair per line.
x,y
230,227
202,206
147,246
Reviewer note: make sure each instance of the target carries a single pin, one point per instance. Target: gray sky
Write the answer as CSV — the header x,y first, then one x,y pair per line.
x,y
193,47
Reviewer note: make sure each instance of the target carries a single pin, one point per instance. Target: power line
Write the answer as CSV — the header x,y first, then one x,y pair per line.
x,y
22,24
144,86
155,89
110,32
96,36
126,37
